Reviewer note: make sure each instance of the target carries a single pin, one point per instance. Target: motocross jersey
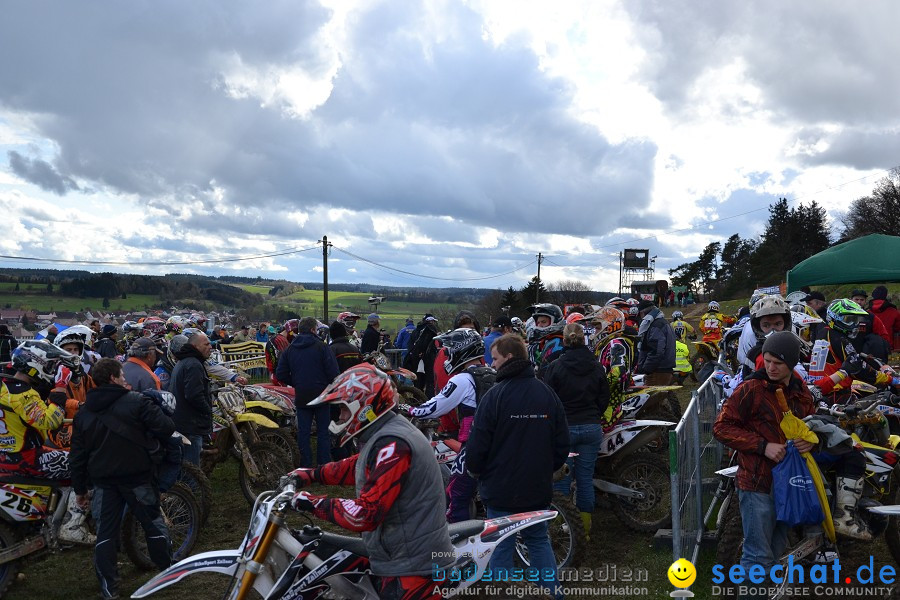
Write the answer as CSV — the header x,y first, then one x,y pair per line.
x,y
24,417
711,325
683,330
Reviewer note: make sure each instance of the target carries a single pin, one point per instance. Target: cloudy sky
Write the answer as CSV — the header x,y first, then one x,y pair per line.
x,y
447,142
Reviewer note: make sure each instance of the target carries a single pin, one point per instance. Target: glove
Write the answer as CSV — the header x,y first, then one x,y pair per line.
x,y
405,408
299,477
63,376
853,365
57,397
305,501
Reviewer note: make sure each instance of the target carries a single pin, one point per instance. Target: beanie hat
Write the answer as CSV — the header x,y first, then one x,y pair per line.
x,y
108,330
879,293
337,330
783,345
645,305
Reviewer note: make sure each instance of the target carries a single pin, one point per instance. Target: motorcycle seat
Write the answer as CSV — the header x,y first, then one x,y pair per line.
x,y
464,529
356,545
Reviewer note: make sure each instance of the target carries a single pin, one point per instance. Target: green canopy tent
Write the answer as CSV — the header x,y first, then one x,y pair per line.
x,y
873,258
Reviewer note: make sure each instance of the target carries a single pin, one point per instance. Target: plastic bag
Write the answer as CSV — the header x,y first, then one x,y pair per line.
x,y
796,501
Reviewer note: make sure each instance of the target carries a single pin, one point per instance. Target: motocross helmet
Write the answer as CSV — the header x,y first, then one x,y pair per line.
x,y
843,315
40,360
614,301
292,327
156,326
712,306
175,324
366,392
175,346
349,319
462,345
517,324
546,310
164,400
574,317
76,334
632,302
771,305
800,324
677,315
756,297
795,298
608,323
132,328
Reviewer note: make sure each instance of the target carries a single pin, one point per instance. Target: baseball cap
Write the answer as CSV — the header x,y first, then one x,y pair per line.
x,y
858,292
372,318
815,296
502,321
142,347
245,326
429,318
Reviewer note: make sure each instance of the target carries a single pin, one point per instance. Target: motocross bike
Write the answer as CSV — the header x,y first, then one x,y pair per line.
x,y
32,510
279,562
261,462
637,482
567,535
402,378
277,403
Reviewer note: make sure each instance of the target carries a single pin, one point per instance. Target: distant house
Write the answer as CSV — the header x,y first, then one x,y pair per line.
x,y
14,316
48,318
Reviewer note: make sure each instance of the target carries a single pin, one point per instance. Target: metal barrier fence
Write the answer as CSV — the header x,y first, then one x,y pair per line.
x,y
694,456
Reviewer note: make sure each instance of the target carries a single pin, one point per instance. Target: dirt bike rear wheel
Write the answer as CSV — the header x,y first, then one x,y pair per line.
x,y
8,571
645,472
196,480
412,395
182,516
659,444
567,535
271,461
284,439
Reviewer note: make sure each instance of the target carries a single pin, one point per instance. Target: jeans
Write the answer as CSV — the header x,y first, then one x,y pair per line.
x,y
586,441
540,552
764,537
192,453
107,507
305,415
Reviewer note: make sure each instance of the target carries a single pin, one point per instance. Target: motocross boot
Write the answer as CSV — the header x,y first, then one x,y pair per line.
x,y
75,527
849,491
586,521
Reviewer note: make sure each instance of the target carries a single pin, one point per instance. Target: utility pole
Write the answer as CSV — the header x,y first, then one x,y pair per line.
x,y
620,272
325,246
537,288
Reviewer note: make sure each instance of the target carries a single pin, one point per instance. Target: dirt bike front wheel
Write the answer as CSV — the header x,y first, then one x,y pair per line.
x,y
644,472
181,514
412,395
196,480
567,536
271,463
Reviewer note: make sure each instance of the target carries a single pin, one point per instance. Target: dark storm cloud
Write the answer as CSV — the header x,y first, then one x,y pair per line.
x,y
134,96
861,149
41,173
813,61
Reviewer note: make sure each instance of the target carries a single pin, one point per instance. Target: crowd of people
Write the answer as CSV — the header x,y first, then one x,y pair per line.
x,y
86,406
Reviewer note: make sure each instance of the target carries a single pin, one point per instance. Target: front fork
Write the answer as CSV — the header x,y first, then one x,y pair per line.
x,y
257,562
246,458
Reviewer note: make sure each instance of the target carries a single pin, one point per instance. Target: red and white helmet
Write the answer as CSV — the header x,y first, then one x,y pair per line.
x,y
349,319
155,325
176,324
574,317
366,392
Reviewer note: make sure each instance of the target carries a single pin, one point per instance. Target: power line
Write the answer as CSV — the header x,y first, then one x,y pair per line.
x,y
156,263
372,262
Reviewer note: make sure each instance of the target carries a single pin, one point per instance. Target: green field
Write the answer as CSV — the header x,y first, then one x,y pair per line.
x,y
44,303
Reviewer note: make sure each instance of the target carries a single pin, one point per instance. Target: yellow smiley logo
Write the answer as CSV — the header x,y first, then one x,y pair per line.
x,y
682,573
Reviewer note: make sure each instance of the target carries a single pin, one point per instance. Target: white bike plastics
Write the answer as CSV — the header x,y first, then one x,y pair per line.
x,y
278,563
627,433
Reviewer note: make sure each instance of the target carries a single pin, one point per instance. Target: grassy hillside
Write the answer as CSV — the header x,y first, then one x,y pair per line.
x,y
45,303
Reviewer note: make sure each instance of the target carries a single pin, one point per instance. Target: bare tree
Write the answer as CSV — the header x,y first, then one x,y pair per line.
x,y
877,213
571,291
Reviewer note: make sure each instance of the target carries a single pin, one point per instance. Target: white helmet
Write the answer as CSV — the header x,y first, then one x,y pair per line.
x,y
76,334
39,359
713,306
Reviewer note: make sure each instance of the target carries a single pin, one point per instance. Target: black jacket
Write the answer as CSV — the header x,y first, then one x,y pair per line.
x,y
102,457
370,339
307,365
193,400
106,347
346,354
8,343
656,351
517,418
579,380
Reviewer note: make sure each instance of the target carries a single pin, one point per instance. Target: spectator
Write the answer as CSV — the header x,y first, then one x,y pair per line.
x,y
518,415
309,366
105,346
95,326
402,339
882,308
817,302
190,385
262,334
243,335
421,354
656,348
580,382
139,367
218,335
51,332
501,326
8,343
372,334
346,354
873,337
277,345
112,434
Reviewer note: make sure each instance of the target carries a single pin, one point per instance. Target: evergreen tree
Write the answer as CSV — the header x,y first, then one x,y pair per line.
x,y
534,292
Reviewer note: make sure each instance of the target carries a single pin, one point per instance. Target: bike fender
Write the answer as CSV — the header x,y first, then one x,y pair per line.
x,y
263,404
501,528
256,418
216,561
637,424
405,373
891,510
